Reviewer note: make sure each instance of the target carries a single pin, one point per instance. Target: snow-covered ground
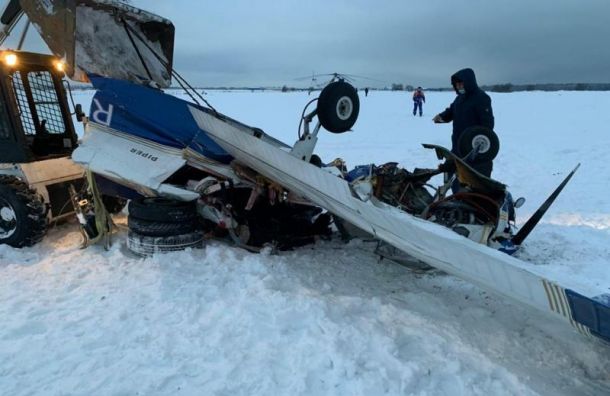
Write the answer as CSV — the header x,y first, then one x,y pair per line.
x,y
330,318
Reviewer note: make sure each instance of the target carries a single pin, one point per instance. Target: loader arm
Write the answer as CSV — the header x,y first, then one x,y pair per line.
x,y
100,37
11,14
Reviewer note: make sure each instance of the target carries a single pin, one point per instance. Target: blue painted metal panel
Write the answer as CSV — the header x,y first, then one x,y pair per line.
x,y
108,187
151,114
591,312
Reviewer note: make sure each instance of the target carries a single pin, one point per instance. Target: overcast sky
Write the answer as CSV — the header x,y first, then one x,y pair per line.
x,y
423,42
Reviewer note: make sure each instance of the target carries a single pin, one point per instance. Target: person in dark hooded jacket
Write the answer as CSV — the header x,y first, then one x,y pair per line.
x,y
472,107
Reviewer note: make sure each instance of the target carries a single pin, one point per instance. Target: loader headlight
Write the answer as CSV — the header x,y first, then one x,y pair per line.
x,y
60,66
10,59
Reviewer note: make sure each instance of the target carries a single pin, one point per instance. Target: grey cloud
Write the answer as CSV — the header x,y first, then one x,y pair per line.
x,y
269,43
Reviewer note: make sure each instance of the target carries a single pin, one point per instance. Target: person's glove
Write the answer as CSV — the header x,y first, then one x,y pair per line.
x,y
438,119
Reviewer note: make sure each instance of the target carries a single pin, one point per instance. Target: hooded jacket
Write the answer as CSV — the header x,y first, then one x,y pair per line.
x,y
472,108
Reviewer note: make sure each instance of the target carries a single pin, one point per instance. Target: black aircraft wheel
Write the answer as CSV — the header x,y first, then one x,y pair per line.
x,y
144,245
23,215
162,210
152,228
316,160
338,107
484,138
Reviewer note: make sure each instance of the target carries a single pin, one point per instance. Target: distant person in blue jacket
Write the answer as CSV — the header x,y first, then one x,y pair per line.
x,y
418,99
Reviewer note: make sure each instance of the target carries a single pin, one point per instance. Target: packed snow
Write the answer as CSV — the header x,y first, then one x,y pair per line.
x,y
330,318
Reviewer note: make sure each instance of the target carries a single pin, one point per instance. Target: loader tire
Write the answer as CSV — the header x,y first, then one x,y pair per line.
x,y
163,210
338,107
143,245
153,228
23,213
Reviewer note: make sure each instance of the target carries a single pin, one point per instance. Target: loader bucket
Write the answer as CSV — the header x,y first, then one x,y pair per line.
x,y
105,37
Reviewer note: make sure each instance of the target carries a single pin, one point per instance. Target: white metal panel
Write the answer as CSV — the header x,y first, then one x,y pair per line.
x,y
137,163
426,241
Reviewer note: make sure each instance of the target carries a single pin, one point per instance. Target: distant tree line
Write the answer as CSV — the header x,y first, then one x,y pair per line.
x,y
548,87
505,87
508,87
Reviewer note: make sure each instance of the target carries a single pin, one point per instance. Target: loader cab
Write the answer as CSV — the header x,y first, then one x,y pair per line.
x,y
35,121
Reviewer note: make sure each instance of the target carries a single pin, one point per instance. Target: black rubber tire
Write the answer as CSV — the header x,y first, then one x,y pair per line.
x,y
143,245
163,210
316,160
153,228
112,204
338,107
29,223
470,137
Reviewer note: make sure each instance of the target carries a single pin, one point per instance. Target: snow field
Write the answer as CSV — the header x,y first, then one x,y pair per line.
x,y
328,319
